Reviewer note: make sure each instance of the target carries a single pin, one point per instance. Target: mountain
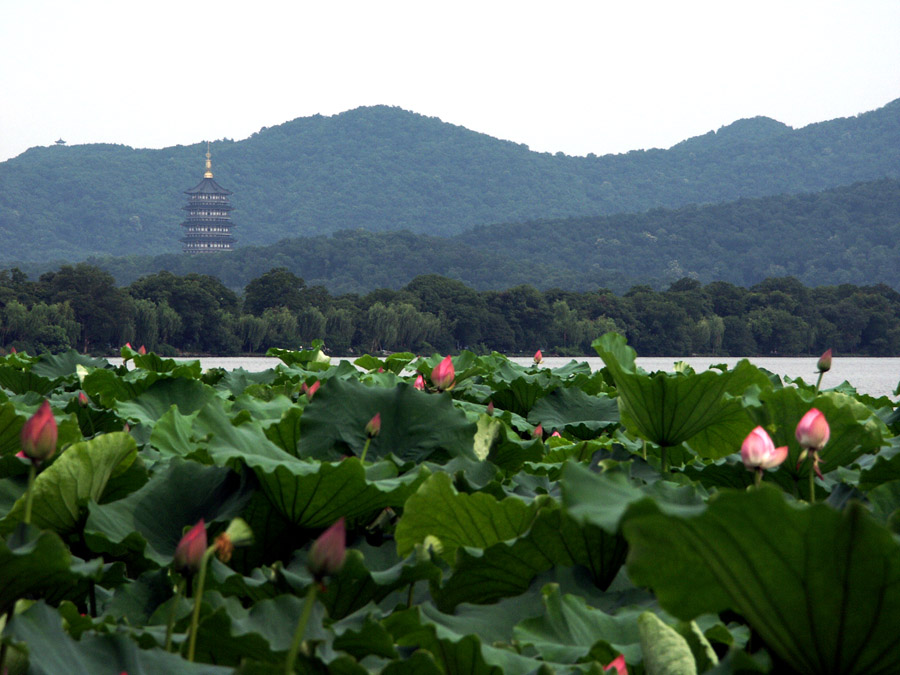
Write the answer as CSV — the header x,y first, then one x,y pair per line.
x,y
844,235
383,168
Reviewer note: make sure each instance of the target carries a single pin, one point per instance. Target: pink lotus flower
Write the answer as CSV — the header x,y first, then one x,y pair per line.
x,y
490,408
538,357
373,428
538,431
311,389
555,434
443,374
824,364
128,344
142,350
190,550
83,399
619,664
13,350
326,557
39,434
812,430
759,452
420,383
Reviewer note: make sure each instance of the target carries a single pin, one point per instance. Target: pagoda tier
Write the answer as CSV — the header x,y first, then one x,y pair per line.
x,y
207,227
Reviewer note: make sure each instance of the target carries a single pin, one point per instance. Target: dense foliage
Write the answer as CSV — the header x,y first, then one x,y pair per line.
x,y
846,235
80,306
383,168
522,520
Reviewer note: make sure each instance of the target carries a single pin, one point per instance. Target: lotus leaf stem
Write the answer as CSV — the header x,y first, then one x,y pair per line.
x,y
170,624
198,600
301,624
29,492
362,458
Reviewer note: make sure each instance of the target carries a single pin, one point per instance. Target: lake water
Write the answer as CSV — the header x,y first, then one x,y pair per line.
x,y
873,376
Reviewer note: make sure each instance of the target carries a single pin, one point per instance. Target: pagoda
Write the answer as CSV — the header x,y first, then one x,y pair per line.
x,y
208,225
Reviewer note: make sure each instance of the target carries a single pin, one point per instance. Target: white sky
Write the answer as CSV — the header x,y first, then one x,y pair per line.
x,y
558,75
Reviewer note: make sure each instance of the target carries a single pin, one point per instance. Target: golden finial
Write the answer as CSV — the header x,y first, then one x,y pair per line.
x,y
208,173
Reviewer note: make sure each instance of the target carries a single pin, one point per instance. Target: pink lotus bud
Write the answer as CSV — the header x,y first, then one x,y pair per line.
x,y
83,399
619,664
490,408
13,350
381,370
190,550
824,364
443,374
538,431
420,383
759,452
374,426
128,344
311,389
538,357
39,434
812,430
327,554
142,350
556,434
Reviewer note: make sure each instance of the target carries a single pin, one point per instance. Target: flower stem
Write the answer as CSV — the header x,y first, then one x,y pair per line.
x,y
29,492
170,624
812,483
301,626
819,381
198,600
362,457
758,478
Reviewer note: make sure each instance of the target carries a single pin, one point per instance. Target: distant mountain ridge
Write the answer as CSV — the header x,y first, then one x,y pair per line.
x,y
383,168
843,235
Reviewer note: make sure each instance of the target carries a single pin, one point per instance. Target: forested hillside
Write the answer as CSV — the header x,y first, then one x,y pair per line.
x,y
846,235
383,168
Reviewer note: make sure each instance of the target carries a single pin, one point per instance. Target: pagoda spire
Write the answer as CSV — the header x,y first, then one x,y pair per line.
x,y
208,173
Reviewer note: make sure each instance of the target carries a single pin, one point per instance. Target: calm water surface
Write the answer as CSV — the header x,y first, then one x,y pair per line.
x,y
873,376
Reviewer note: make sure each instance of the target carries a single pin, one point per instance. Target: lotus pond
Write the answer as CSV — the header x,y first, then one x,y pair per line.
x,y
515,519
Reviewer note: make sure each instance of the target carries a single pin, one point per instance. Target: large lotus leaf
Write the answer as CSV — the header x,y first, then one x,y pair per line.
x,y
285,433
665,650
520,394
52,652
855,430
571,410
704,410
459,651
38,562
189,395
263,410
569,630
173,433
361,635
60,365
507,568
444,519
154,363
107,386
80,475
497,443
369,574
820,587
414,425
151,521
314,494
603,498
134,602
308,359
24,381
236,381
11,423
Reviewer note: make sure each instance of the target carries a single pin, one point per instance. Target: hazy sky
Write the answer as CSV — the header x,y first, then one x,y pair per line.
x,y
575,77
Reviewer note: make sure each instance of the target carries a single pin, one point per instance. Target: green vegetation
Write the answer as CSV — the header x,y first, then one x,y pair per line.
x,y
161,519
386,169
81,307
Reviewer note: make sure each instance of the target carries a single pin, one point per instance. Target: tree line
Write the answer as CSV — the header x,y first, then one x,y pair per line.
x,y
81,307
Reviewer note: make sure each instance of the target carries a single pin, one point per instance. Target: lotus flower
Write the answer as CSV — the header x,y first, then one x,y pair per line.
x,y
420,383
190,550
39,434
83,399
556,434
812,430
490,408
326,557
310,390
538,357
142,350
759,452
373,428
538,431
619,664
443,374
824,364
